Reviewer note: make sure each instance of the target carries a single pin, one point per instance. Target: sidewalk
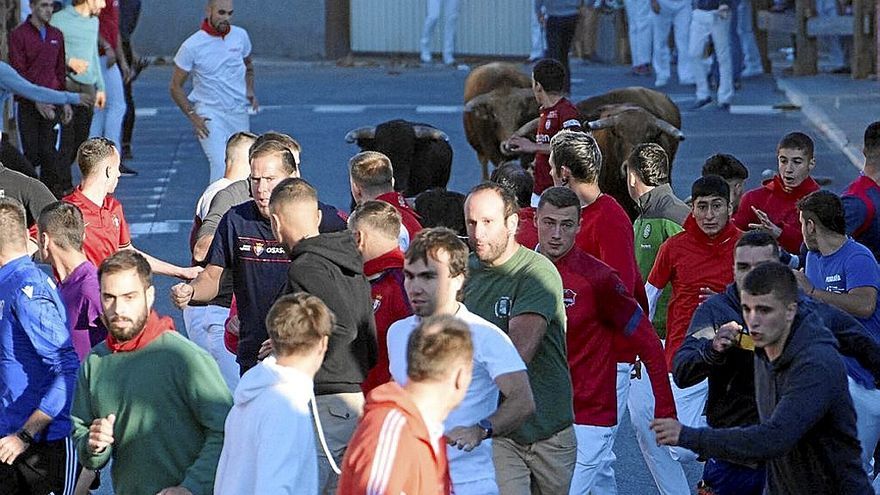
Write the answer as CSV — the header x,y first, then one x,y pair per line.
x,y
839,106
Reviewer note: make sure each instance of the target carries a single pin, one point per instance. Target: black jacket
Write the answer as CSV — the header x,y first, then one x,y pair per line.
x,y
731,400
807,434
330,267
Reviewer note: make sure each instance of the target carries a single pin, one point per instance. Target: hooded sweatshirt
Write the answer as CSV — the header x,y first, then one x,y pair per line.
x,y
269,418
780,204
807,432
390,303
393,451
330,267
689,261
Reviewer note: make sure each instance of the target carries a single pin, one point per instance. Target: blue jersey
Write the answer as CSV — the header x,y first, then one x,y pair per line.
x,y
38,364
850,267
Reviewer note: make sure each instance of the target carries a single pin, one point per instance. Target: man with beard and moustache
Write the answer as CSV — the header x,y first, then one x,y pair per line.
x,y
598,307
520,292
147,397
436,269
807,429
37,370
716,350
218,57
328,266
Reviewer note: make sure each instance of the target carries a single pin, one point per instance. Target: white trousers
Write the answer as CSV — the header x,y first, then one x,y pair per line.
x,y
594,443
638,18
751,56
706,25
539,43
450,19
205,326
675,15
221,125
605,482
867,405
108,121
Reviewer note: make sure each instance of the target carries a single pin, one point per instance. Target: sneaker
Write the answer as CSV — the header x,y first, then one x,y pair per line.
x,y
126,171
701,103
641,70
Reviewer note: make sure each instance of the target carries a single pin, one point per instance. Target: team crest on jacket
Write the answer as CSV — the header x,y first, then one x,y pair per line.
x,y
258,248
377,302
569,297
115,221
502,307
647,231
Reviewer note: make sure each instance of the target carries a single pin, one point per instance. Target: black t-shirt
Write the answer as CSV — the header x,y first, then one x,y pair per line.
x,y
33,194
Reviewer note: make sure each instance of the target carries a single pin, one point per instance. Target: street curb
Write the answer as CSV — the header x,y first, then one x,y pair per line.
x,y
821,121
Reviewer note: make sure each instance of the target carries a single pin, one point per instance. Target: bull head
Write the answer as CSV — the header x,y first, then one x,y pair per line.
x,y
421,132
660,124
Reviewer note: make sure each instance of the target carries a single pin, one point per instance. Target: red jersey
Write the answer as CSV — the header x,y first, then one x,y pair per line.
x,y
780,204
599,308
689,261
392,451
562,115
527,232
408,217
106,229
390,304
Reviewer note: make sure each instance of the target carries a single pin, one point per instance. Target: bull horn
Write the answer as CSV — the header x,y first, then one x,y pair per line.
x,y
366,132
475,101
669,128
527,128
428,132
605,123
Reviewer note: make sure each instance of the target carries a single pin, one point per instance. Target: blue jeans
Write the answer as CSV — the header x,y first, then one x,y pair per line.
x,y
726,478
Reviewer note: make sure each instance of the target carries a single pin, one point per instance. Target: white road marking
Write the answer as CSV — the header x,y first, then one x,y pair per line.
x,y
339,108
146,112
754,110
439,109
144,228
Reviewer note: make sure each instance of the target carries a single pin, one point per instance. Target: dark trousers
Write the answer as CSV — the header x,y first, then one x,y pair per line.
x,y
44,468
560,32
38,140
726,478
128,120
73,134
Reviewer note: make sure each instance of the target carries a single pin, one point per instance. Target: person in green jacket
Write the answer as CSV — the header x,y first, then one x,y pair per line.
x,y
147,397
661,213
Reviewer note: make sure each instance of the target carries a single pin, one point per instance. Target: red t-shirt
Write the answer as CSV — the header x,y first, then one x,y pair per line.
x,y
390,304
562,115
526,232
108,23
780,204
599,308
106,229
408,217
689,261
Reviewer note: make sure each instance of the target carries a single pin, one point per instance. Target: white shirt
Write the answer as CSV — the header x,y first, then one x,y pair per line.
x,y
217,67
204,204
494,355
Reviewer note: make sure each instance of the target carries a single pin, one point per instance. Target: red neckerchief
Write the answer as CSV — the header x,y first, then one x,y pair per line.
x,y
391,259
729,230
154,327
208,28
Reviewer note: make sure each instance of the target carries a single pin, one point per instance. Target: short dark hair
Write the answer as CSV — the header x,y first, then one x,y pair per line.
x,y
772,277
438,207
872,138
728,167
124,260
550,74
297,322
291,190
710,185
796,141
758,238
371,170
826,208
378,216
560,197
579,152
650,163
64,222
429,241
13,223
274,148
512,176
435,346
510,205
92,152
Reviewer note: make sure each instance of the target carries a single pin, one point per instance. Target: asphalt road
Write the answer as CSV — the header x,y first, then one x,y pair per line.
x,y
318,104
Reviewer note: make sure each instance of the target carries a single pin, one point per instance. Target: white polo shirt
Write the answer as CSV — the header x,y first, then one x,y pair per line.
x,y
217,67
494,355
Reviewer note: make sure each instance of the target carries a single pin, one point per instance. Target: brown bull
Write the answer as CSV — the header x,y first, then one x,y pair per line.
x,y
498,101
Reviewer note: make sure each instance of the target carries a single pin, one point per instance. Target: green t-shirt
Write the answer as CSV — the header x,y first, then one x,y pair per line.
x,y
529,283
649,234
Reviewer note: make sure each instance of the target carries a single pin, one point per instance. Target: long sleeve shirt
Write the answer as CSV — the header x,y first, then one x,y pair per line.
x,y
12,83
81,41
38,57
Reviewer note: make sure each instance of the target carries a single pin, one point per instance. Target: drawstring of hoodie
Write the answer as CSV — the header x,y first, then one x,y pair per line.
x,y
320,429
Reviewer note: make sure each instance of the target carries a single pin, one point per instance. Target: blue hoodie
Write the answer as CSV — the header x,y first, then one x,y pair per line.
x,y
38,364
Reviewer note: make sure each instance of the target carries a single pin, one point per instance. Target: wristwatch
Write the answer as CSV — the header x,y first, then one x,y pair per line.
x,y
486,425
25,436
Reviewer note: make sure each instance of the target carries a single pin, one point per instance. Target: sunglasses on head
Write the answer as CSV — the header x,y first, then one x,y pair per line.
x,y
225,12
